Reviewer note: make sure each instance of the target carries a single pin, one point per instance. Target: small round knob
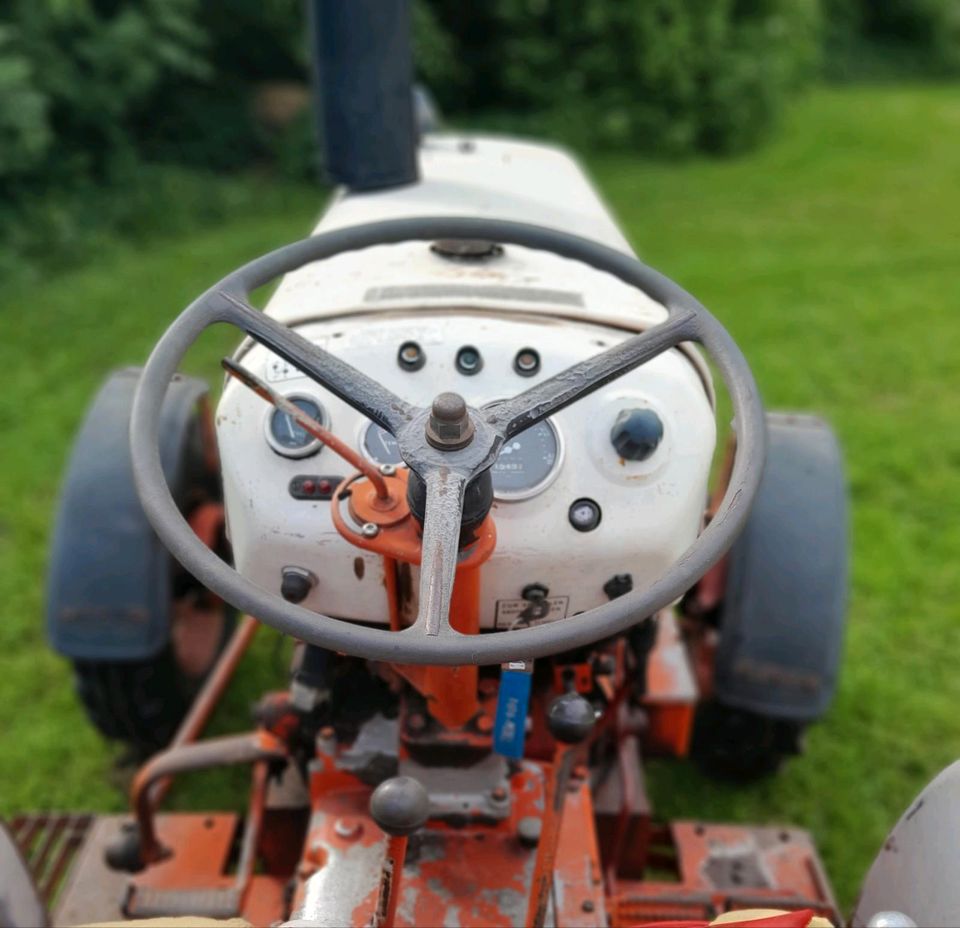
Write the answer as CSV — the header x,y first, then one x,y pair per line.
x,y
400,806
450,426
636,434
296,584
570,718
891,919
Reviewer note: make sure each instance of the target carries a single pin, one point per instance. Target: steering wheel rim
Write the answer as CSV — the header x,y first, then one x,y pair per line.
x,y
687,320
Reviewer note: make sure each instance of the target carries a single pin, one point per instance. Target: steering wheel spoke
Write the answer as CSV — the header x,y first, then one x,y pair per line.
x,y
355,388
578,380
440,548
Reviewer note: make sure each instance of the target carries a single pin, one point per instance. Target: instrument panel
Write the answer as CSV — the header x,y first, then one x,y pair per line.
x,y
613,485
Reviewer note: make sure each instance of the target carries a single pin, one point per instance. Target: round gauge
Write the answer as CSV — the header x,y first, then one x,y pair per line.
x,y
527,462
380,446
524,467
288,438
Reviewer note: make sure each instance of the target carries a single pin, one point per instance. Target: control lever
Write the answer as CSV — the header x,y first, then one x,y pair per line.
x,y
570,719
399,806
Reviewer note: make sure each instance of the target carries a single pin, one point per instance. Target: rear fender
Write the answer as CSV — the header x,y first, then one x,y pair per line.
x,y
109,580
783,615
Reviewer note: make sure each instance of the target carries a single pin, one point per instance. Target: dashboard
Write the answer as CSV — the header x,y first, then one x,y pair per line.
x,y
610,488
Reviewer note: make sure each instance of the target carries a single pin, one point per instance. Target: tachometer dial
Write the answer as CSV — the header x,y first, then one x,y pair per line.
x,y
288,438
526,464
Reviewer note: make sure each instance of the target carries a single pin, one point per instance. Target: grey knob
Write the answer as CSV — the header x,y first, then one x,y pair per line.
x,y
891,920
450,426
400,806
570,718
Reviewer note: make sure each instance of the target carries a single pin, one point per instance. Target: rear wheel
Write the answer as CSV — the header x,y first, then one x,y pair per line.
x,y
735,744
780,616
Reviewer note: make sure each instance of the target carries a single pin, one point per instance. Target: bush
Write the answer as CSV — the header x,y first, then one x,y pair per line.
x,y
77,75
894,38
667,75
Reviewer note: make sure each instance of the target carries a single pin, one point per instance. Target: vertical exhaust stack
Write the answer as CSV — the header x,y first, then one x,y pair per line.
x,y
363,85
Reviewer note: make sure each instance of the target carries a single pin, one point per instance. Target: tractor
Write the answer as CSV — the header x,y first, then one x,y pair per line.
x,y
466,457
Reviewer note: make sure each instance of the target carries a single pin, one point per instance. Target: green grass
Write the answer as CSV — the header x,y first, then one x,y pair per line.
x,y
834,257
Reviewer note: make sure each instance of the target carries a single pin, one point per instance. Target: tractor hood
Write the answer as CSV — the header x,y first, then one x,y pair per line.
x,y
478,176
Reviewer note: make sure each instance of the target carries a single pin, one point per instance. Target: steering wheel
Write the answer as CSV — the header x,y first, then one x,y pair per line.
x,y
448,445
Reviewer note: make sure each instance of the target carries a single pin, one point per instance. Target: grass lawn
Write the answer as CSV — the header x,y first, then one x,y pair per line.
x,y
834,257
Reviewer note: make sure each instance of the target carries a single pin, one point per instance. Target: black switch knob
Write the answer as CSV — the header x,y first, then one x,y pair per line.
x,y
570,718
296,584
636,434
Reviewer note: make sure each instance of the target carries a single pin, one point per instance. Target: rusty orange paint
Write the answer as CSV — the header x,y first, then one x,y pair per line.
x,y
451,692
786,857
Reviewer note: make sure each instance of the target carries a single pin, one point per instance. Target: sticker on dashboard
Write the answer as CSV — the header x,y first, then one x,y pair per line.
x,y
522,613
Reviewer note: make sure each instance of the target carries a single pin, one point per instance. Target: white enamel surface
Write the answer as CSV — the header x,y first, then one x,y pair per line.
x,y
350,306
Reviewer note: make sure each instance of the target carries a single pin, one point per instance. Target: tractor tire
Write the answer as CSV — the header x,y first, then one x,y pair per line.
x,y
140,703
140,632
782,617
739,746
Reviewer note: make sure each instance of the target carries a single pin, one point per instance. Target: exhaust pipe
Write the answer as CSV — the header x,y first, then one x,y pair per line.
x,y
363,87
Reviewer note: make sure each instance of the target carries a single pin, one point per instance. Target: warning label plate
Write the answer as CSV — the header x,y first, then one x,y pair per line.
x,y
522,613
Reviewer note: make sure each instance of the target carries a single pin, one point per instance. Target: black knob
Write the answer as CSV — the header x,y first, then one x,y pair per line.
x,y
618,585
636,434
400,806
570,718
296,584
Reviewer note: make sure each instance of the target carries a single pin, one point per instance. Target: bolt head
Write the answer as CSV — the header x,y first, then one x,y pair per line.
x,y
528,830
370,530
450,426
449,407
346,828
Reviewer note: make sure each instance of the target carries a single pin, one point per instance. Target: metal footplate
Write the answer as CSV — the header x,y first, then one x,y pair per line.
x,y
146,902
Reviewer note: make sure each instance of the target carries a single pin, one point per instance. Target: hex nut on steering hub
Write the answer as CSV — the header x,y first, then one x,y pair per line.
x,y
450,426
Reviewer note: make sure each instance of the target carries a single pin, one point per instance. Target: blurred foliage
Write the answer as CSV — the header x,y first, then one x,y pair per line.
x,y
663,75
891,39
99,99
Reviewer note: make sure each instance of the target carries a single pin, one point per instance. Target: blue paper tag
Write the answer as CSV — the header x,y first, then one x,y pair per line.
x,y
510,727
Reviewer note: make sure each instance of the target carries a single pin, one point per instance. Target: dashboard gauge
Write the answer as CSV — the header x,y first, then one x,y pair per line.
x,y
526,464
288,438
380,446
